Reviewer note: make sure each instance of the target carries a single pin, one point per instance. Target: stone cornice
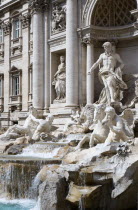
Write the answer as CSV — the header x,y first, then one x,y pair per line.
x,y
38,5
91,33
8,4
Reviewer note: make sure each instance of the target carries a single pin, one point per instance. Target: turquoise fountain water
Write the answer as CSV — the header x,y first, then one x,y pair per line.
x,y
18,204
16,185
18,176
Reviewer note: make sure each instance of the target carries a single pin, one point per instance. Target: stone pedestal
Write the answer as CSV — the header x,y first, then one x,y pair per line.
x,y
71,55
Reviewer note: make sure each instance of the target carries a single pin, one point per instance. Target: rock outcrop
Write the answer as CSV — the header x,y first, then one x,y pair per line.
x,y
95,178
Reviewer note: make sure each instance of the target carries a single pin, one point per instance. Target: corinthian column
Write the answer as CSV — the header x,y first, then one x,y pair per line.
x,y
38,7
71,54
90,78
46,63
90,61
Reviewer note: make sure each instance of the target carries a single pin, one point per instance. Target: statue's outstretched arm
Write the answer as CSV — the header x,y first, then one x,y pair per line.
x,y
95,65
120,61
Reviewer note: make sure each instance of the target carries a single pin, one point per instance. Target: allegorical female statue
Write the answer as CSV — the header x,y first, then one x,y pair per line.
x,y
110,75
60,80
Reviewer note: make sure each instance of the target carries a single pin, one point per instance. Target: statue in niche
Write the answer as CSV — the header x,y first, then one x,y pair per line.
x,y
58,19
110,75
60,80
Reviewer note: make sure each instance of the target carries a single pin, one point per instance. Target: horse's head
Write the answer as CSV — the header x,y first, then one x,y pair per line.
x,y
82,113
109,115
87,112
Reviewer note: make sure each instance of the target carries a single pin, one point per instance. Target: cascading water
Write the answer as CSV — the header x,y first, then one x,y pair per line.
x,y
19,183
40,151
16,179
82,183
16,191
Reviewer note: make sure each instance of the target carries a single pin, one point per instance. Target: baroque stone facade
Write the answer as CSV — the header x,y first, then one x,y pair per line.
x,y
35,34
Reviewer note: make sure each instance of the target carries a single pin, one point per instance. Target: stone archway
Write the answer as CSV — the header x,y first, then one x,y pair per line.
x,y
104,20
113,13
92,7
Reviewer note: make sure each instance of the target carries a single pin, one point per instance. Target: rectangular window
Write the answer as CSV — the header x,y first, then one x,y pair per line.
x,y
15,85
1,87
16,28
1,35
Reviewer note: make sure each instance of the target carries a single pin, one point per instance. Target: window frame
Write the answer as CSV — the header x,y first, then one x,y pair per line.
x,y
15,84
1,85
16,28
1,35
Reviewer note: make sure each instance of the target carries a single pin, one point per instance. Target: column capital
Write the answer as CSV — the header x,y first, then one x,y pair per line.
x,y
38,5
88,39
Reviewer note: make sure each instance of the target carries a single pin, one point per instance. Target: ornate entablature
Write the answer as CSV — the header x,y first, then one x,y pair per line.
x,y
38,5
108,34
58,17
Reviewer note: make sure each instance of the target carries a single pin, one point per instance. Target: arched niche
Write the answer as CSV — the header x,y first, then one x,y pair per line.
x,y
113,13
112,20
109,11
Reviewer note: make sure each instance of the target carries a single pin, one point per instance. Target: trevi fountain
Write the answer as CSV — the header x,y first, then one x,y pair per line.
x,y
91,164
74,155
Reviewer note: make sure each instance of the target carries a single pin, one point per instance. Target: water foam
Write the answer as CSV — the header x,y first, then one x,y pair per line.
x,y
20,204
32,152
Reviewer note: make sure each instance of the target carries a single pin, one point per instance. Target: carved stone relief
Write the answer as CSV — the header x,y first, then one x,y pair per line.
x,y
16,48
6,28
25,19
58,18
